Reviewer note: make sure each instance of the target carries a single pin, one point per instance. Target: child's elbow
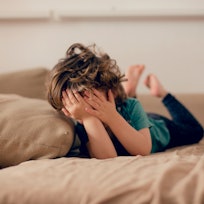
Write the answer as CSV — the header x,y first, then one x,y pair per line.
x,y
104,155
145,151
108,156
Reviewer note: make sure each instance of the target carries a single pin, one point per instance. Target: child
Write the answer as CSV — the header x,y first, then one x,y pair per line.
x,y
87,86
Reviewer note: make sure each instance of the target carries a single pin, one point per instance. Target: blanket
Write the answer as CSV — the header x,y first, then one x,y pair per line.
x,y
174,176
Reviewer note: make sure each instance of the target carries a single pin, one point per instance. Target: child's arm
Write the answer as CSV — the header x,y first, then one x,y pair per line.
x,y
135,142
100,145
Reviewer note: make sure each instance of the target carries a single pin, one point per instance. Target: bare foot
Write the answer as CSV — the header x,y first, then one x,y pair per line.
x,y
133,75
156,88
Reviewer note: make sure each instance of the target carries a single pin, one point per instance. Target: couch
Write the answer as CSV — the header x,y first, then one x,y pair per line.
x,y
34,140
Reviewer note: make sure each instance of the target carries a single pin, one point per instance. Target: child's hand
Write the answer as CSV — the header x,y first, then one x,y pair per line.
x,y
102,107
74,105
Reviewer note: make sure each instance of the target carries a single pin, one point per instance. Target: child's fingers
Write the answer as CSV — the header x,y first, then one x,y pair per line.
x,y
110,96
71,96
64,95
78,96
98,95
65,101
66,112
91,102
91,111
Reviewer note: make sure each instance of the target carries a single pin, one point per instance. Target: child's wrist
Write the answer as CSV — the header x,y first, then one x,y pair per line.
x,y
90,119
112,119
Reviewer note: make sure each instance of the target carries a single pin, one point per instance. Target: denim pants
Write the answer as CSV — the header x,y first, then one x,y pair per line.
x,y
183,127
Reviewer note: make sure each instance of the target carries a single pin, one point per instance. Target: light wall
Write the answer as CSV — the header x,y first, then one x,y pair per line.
x,y
165,36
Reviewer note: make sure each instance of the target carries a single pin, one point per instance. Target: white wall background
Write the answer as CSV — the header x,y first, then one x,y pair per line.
x,y
166,36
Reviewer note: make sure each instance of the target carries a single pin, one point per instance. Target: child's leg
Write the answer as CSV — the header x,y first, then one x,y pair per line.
x,y
133,75
184,128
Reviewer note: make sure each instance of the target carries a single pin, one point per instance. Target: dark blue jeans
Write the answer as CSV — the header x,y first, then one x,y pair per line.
x,y
183,127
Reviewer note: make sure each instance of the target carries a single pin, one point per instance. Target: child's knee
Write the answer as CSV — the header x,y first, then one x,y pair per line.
x,y
198,132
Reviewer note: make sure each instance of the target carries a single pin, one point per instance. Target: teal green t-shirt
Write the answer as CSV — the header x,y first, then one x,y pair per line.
x,y
135,115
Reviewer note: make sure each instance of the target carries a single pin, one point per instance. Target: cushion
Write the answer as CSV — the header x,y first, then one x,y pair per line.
x,y
31,129
192,101
28,83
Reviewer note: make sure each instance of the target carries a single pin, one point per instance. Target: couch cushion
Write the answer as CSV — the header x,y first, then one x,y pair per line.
x,y
194,102
31,129
28,83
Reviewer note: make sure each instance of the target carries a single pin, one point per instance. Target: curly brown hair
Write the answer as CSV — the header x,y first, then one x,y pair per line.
x,y
83,68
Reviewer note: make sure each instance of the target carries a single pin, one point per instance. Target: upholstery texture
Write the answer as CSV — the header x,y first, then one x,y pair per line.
x,y
31,129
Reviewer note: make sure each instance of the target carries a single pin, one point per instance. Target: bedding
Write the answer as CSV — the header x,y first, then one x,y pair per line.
x,y
175,176
170,177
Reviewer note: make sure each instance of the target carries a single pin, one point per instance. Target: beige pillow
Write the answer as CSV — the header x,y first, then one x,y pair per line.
x,y
28,83
32,129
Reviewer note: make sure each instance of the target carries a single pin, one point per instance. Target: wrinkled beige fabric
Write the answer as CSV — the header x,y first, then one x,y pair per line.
x,y
175,176
31,129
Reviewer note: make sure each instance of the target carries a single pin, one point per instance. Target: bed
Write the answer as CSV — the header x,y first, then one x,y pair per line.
x,y
34,169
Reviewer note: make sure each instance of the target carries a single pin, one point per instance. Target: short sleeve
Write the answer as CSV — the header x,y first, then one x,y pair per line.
x,y
137,116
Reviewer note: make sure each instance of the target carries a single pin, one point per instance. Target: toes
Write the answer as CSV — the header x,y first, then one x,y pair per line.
x,y
147,81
